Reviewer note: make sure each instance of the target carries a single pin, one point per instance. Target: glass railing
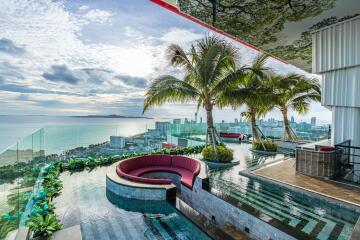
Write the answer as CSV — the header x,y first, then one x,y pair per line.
x,y
195,130
22,163
20,166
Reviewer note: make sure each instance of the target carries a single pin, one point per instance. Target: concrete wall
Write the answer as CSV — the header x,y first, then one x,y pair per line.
x,y
211,206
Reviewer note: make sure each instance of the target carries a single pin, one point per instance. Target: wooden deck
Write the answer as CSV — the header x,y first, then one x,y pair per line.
x,y
284,172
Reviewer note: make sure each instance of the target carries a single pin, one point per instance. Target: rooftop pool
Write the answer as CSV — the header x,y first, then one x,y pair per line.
x,y
308,218
102,215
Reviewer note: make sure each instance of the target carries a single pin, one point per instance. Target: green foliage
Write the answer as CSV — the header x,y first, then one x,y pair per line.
x,y
223,154
52,184
259,22
42,221
253,92
44,225
270,146
6,226
75,164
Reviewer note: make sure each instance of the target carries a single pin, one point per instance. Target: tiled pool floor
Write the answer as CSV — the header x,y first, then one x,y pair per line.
x,y
102,215
312,219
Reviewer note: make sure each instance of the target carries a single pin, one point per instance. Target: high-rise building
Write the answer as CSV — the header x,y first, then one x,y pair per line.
x,y
196,117
177,121
117,142
313,121
200,119
162,127
292,119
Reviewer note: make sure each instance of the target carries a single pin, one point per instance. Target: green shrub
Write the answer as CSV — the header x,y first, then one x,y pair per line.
x,y
75,164
43,225
223,154
270,146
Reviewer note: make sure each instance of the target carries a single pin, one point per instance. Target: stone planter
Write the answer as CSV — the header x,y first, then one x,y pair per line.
x,y
262,152
219,165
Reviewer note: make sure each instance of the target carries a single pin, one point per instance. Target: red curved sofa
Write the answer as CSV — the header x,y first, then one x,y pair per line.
x,y
133,168
232,135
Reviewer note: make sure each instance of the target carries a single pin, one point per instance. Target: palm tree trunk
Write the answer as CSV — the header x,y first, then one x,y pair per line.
x,y
254,130
210,126
287,130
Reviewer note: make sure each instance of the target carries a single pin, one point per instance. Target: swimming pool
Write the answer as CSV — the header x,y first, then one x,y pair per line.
x,y
103,215
284,209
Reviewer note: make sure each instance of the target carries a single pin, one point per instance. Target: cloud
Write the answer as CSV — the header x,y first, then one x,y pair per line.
x,y
9,47
137,82
22,97
93,58
96,15
179,35
9,72
83,8
25,89
61,73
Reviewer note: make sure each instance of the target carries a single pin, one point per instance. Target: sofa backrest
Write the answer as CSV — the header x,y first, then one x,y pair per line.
x,y
145,161
185,162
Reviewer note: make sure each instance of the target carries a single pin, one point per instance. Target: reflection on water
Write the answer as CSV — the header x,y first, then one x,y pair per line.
x,y
303,216
103,215
247,160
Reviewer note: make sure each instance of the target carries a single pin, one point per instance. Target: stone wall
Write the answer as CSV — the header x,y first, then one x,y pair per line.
x,y
222,212
136,192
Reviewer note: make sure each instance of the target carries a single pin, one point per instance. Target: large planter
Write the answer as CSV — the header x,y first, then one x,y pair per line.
x,y
219,165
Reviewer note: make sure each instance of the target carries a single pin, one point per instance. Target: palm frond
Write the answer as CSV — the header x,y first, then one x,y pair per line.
x,y
169,89
178,57
231,81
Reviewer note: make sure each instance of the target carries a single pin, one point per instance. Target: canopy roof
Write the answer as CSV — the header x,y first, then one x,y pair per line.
x,y
280,27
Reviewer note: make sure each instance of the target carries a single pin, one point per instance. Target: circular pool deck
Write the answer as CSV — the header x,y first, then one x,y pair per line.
x,y
144,191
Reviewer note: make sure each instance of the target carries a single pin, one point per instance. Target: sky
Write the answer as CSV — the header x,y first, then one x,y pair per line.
x,y
98,57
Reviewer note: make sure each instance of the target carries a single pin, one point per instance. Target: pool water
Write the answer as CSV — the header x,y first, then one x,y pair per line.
x,y
312,217
103,215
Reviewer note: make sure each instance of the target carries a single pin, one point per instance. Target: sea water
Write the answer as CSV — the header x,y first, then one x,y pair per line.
x,y
68,130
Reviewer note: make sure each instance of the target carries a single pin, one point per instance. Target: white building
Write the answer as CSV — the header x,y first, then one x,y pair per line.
x,y
117,142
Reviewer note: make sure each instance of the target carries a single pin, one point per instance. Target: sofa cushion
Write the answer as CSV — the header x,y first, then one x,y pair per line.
x,y
326,149
133,168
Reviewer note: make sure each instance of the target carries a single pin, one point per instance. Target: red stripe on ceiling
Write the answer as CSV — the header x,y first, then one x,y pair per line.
x,y
177,11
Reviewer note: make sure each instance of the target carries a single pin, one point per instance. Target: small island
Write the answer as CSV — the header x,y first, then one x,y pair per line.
x,y
110,116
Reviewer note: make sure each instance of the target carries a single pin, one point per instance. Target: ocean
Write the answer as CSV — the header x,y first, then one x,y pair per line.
x,y
68,131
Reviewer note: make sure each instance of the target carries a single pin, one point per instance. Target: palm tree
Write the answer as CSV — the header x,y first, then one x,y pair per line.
x,y
209,69
253,92
294,92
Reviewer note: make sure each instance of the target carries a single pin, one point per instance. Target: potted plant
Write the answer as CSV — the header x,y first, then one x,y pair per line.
x,y
222,157
270,146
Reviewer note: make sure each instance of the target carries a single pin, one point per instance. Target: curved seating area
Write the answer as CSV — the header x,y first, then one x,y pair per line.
x,y
239,136
134,168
